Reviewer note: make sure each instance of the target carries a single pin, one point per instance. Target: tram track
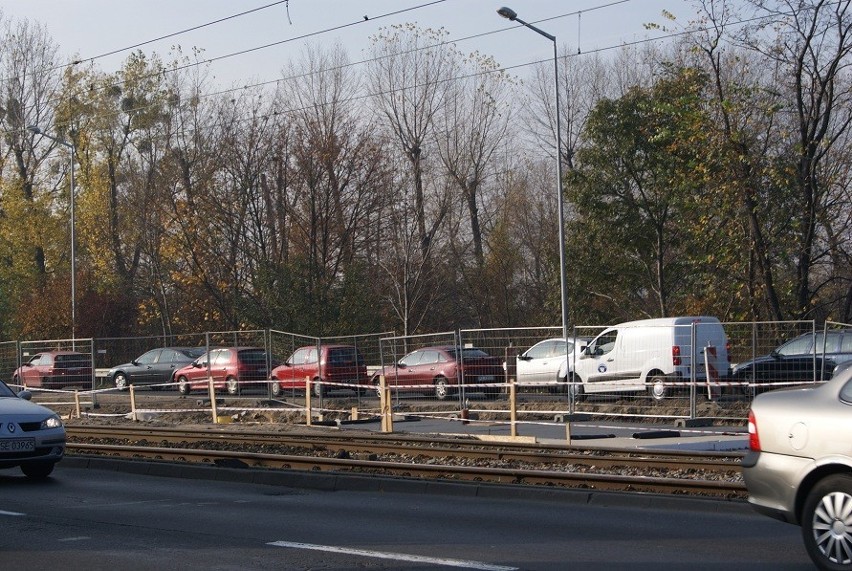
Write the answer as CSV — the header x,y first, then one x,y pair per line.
x,y
435,458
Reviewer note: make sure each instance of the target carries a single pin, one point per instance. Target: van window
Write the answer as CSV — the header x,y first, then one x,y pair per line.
x,y
604,343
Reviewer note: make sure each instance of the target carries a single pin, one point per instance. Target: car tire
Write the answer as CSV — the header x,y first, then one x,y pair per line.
x,y
827,521
232,386
120,380
276,388
442,388
183,386
574,389
317,388
378,386
37,470
657,387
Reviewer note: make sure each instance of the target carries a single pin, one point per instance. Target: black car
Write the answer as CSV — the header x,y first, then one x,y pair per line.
x,y
777,370
155,367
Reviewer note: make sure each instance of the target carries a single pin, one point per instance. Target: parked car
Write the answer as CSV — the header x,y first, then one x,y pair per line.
x,y
799,465
32,436
548,362
55,370
440,370
154,367
799,360
653,355
325,363
230,367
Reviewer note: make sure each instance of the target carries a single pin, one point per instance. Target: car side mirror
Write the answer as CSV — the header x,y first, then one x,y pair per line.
x,y
25,394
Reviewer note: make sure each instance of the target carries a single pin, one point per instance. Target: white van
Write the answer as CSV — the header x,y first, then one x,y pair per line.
x,y
654,355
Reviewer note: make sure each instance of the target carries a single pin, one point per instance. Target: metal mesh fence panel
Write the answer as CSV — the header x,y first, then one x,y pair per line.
x,y
118,355
9,360
422,371
53,369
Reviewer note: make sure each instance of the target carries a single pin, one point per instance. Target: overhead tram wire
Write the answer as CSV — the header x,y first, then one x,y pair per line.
x,y
304,36
165,37
498,70
264,46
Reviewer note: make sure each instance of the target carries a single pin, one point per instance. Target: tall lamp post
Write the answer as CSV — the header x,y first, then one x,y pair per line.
x,y
37,131
510,14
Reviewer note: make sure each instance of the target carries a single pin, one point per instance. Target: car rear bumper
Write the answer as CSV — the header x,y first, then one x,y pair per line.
x,y
772,481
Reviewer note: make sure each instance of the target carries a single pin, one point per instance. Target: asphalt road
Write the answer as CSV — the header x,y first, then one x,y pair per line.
x,y
96,519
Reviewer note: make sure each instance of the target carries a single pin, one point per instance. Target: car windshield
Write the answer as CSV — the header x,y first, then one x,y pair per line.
x,y
253,356
344,356
6,392
468,353
192,353
72,360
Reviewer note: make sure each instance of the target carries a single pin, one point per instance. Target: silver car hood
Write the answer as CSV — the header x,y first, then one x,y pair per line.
x,y
17,406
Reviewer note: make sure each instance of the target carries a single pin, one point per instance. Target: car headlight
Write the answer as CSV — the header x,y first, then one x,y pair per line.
x,y
51,422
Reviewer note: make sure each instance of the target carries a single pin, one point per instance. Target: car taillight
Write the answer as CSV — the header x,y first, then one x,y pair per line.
x,y
676,354
753,437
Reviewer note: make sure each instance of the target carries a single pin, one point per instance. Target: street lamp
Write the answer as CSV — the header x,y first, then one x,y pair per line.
x,y
37,131
513,16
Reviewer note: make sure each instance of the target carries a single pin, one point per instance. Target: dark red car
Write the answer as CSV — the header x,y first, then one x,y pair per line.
x,y
437,370
230,367
55,370
326,363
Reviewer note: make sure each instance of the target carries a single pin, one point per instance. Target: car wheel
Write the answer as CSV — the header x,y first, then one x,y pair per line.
x,y
657,387
120,380
37,470
827,523
442,388
748,389
276,388
574,389
318,388
183,386
232,386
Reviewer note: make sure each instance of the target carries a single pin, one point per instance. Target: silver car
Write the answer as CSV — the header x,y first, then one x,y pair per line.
x,y
799,466
31,436
545,362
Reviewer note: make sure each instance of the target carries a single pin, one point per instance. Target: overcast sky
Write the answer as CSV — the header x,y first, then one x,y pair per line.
x,y
87,29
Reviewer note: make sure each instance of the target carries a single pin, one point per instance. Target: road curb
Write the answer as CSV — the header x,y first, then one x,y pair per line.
x,y
337,481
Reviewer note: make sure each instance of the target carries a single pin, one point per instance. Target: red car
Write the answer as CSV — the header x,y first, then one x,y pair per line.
x,y
329,363
437,369
230,367
55,370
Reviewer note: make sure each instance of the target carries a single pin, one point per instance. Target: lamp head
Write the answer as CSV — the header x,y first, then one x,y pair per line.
x,y
508,13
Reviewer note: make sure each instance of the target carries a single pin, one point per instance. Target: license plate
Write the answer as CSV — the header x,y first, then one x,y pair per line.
x,y
17,445
486,379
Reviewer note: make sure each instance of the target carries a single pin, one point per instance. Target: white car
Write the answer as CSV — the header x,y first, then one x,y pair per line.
x,y
31,436
547,362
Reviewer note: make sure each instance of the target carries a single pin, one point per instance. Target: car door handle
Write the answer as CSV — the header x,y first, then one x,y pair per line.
x,y
610,360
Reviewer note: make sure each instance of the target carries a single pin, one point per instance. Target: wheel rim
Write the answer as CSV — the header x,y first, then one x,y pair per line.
x,y
183,387
232,386
276,389
120,381
832,527
658,388
441,389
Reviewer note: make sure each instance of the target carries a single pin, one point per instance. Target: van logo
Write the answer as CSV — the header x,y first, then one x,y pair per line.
x,y
601,368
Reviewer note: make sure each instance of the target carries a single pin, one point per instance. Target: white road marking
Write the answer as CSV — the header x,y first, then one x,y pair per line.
x,y
11,513
81,538
395,556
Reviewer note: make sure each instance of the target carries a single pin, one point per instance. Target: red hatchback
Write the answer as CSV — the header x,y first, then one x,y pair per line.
x,y
437,369
324,363
231,368
55,370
